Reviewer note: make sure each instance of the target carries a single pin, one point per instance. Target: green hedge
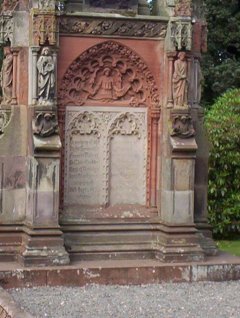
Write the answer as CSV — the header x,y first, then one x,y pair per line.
x,y
223,126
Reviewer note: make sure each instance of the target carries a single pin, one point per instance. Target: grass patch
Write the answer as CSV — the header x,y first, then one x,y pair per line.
x,y
232,247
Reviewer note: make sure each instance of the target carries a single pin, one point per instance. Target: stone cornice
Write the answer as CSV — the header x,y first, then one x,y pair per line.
x,y
113,25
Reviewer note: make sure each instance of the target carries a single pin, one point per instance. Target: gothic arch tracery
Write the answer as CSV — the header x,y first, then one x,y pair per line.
x,y
109,72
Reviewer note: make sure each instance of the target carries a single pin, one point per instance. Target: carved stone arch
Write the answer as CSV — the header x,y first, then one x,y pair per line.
x,y
109,72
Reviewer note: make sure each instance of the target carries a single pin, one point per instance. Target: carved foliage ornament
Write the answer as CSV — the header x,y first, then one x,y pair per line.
x,y
85,124
109,72
182,126
45,29
112,27
125,124
45,124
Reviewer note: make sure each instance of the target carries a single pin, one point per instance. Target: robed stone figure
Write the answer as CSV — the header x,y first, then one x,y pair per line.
x,y
180,84
46,77
7,76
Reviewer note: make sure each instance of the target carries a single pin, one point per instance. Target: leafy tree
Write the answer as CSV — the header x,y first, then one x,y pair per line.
x,y
223,126
221,65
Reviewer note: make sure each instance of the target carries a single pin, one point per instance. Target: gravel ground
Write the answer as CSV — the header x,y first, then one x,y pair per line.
x,y
208,300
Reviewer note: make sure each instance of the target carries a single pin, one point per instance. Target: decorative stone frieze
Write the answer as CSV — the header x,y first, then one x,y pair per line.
x,y
113,27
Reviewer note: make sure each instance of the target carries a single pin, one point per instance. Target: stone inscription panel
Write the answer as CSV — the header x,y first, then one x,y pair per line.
x,y
84,170
127,178
105,157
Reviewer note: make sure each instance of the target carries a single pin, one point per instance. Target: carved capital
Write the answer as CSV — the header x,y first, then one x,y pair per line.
x,y
155,113
181,125
45,124
45,29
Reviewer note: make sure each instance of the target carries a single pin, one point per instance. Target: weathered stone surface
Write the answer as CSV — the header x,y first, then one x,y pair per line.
x,y
101,133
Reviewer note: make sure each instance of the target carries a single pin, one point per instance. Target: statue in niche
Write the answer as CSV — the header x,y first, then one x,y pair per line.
x,y
46,77
180,82
45,125
7,76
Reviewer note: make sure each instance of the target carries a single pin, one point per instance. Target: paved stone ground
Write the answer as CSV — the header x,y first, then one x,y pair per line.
x,y
193,300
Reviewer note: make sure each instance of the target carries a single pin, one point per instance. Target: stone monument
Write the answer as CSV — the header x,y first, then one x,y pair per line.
x,y
103,152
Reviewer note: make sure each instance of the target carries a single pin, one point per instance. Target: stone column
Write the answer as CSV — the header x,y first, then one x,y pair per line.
x,y
43,243
14,85
155,115
170,73
55,61
178,238
33,85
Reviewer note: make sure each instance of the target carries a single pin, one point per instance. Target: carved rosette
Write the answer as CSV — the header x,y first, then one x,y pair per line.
x,y
5,117
93,27
182,126
45,124
45,29
109,72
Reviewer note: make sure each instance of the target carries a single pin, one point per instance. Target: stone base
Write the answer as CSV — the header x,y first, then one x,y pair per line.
x,y
105,240
10,242
142,239
206,241
43,247
179,243
223,267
